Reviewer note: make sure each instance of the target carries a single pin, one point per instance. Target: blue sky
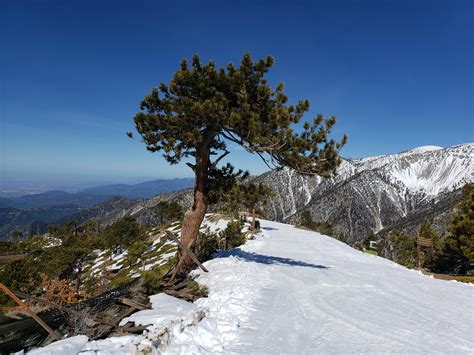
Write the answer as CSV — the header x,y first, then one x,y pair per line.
x,y
397,74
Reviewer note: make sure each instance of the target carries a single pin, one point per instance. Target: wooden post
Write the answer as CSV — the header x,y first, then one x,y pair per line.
x,y
186,250
30,312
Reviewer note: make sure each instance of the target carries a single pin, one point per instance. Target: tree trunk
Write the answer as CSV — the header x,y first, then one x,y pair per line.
x,y
253,220
194,216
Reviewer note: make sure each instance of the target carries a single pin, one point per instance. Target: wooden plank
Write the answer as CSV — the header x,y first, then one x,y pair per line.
x,y
183,295
30,312
6,259
425,242
133,304
186,250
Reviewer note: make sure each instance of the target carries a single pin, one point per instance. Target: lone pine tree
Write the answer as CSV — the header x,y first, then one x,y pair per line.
x,y
203,108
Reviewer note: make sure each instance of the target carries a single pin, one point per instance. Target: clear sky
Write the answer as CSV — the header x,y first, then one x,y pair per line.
x,y
397,74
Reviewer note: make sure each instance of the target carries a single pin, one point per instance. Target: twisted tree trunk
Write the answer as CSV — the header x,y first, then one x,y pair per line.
x,y
194,216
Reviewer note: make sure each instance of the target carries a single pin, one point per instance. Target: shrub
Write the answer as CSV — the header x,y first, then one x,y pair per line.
x,y
207,244
404,248
232,236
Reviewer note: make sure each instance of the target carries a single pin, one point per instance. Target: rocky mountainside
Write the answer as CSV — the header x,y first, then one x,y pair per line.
x,y
370,195
375,194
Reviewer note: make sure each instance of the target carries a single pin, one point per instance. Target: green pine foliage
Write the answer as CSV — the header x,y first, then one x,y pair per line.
x,y
167,212
458,251
136,251
204,108
122,233
404,248
205,105
429,257
323,227
207,244
232,235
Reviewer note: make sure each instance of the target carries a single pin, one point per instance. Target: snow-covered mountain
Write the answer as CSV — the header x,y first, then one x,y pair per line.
x,y
372,194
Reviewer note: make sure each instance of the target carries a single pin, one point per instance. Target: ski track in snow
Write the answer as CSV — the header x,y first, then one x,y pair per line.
x,y
294,291
297,292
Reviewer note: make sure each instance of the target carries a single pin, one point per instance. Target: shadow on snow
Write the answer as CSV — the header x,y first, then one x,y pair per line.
x,y
267,259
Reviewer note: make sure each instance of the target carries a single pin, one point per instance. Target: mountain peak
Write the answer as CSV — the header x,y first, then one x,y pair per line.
x,y
423,149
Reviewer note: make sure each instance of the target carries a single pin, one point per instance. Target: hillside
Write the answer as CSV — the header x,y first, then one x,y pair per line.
x,y
374,194
370,195
295,291
28,211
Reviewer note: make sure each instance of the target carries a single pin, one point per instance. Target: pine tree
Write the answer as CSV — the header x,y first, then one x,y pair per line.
x,y
168,211
427,231
403,248
458,251
135,252
203,108
248,196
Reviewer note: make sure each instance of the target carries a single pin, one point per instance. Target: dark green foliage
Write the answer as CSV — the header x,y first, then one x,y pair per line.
x,y
195,289
122,233
323,227
404,248
247,195
429,257
167,212
136,251
232,236
205,104
458,251
207,244
152,281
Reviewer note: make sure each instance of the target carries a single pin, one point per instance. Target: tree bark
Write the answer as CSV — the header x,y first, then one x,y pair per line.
x,y
194,216
253,220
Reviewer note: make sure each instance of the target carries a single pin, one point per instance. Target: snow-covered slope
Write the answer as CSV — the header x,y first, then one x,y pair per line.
x,y
298,292
370,194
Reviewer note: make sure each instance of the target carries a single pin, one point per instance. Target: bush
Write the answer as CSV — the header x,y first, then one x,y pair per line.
x,y
122,233
207,244
404,248
152,281
232,236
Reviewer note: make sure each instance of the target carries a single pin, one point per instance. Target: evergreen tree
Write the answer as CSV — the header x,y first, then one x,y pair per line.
x,y
122,233
403,248
427,231
458,250
168,211
135,252
248,196
203,108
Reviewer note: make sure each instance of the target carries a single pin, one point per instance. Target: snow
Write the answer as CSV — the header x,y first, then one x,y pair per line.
x,y
295,291
424,149
67,346
165,308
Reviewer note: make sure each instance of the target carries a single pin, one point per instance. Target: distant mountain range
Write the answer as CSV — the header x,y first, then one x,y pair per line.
x,y
94,195
35,211
370,195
